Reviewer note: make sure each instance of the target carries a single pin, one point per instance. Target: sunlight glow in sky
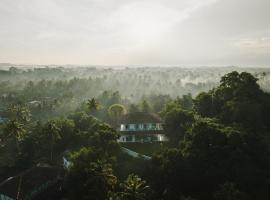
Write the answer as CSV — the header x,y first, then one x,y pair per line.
x,y
141,32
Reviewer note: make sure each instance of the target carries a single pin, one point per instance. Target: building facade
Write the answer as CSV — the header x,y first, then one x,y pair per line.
x,y
141,127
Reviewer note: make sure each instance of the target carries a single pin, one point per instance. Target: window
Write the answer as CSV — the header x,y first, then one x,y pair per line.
x,y
129,138
159,126
139,138
132,126
147,139
145,126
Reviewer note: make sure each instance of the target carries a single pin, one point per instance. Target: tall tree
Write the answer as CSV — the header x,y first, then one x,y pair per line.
x,y
237,100
116,111
14,129
176,123
93,105
20,113
52,132
134,188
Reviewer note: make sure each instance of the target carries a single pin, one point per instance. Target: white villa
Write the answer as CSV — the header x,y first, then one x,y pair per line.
x,y
141,127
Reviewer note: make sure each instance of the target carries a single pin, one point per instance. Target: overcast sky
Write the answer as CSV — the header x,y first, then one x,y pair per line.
x,y
136,32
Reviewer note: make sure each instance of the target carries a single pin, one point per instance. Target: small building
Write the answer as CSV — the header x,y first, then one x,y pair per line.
x,y
35,104
141,127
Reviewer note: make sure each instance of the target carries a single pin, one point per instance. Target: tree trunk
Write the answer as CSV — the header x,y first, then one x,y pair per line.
x,y
52,148
17,145
51,152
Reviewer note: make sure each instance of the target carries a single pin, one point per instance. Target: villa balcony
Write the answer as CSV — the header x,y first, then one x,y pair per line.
x,y
141,127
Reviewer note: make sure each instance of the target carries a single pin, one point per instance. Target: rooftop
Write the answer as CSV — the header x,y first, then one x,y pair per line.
x,y
140,117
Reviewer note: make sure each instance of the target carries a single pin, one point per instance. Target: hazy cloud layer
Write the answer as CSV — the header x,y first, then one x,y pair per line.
x,y
149,32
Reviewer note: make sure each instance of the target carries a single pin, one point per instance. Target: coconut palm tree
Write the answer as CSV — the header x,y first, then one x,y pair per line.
x,y
92,104
14,129
20,113
52,131
134,188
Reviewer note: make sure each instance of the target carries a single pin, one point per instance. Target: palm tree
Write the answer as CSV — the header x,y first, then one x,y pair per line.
x,y
15,129
92,104
20,113
52,131
134,188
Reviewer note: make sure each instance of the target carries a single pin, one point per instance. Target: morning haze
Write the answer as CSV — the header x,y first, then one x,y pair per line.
x,y
149,32
134,100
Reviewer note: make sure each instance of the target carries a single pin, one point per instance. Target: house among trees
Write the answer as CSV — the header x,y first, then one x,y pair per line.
x,y
141,127
34,104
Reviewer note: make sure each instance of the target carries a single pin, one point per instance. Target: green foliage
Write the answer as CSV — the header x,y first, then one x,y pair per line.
x,y
240,85
126,165
168,175
203,104
83,121
238,100
104,140
133,108
116,111
89,176
186,102
176,122
15,130
229,191
15,127
210,155
93,105
67,134
51,132
145,107
134,188
206,134
20,113
222,152
158,102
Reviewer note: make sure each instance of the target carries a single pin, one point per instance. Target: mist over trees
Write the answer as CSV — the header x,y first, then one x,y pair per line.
x,y
62,89
217,123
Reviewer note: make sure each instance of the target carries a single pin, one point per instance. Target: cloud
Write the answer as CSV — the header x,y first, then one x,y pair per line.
x,y
195,6
253,43
93,16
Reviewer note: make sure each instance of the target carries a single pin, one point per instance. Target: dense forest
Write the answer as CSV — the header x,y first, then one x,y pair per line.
x,y
216,120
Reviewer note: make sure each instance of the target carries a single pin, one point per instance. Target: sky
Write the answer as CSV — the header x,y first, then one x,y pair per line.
x,y
136,32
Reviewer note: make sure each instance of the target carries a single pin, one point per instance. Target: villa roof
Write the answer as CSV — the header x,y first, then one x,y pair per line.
x,y
140,117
